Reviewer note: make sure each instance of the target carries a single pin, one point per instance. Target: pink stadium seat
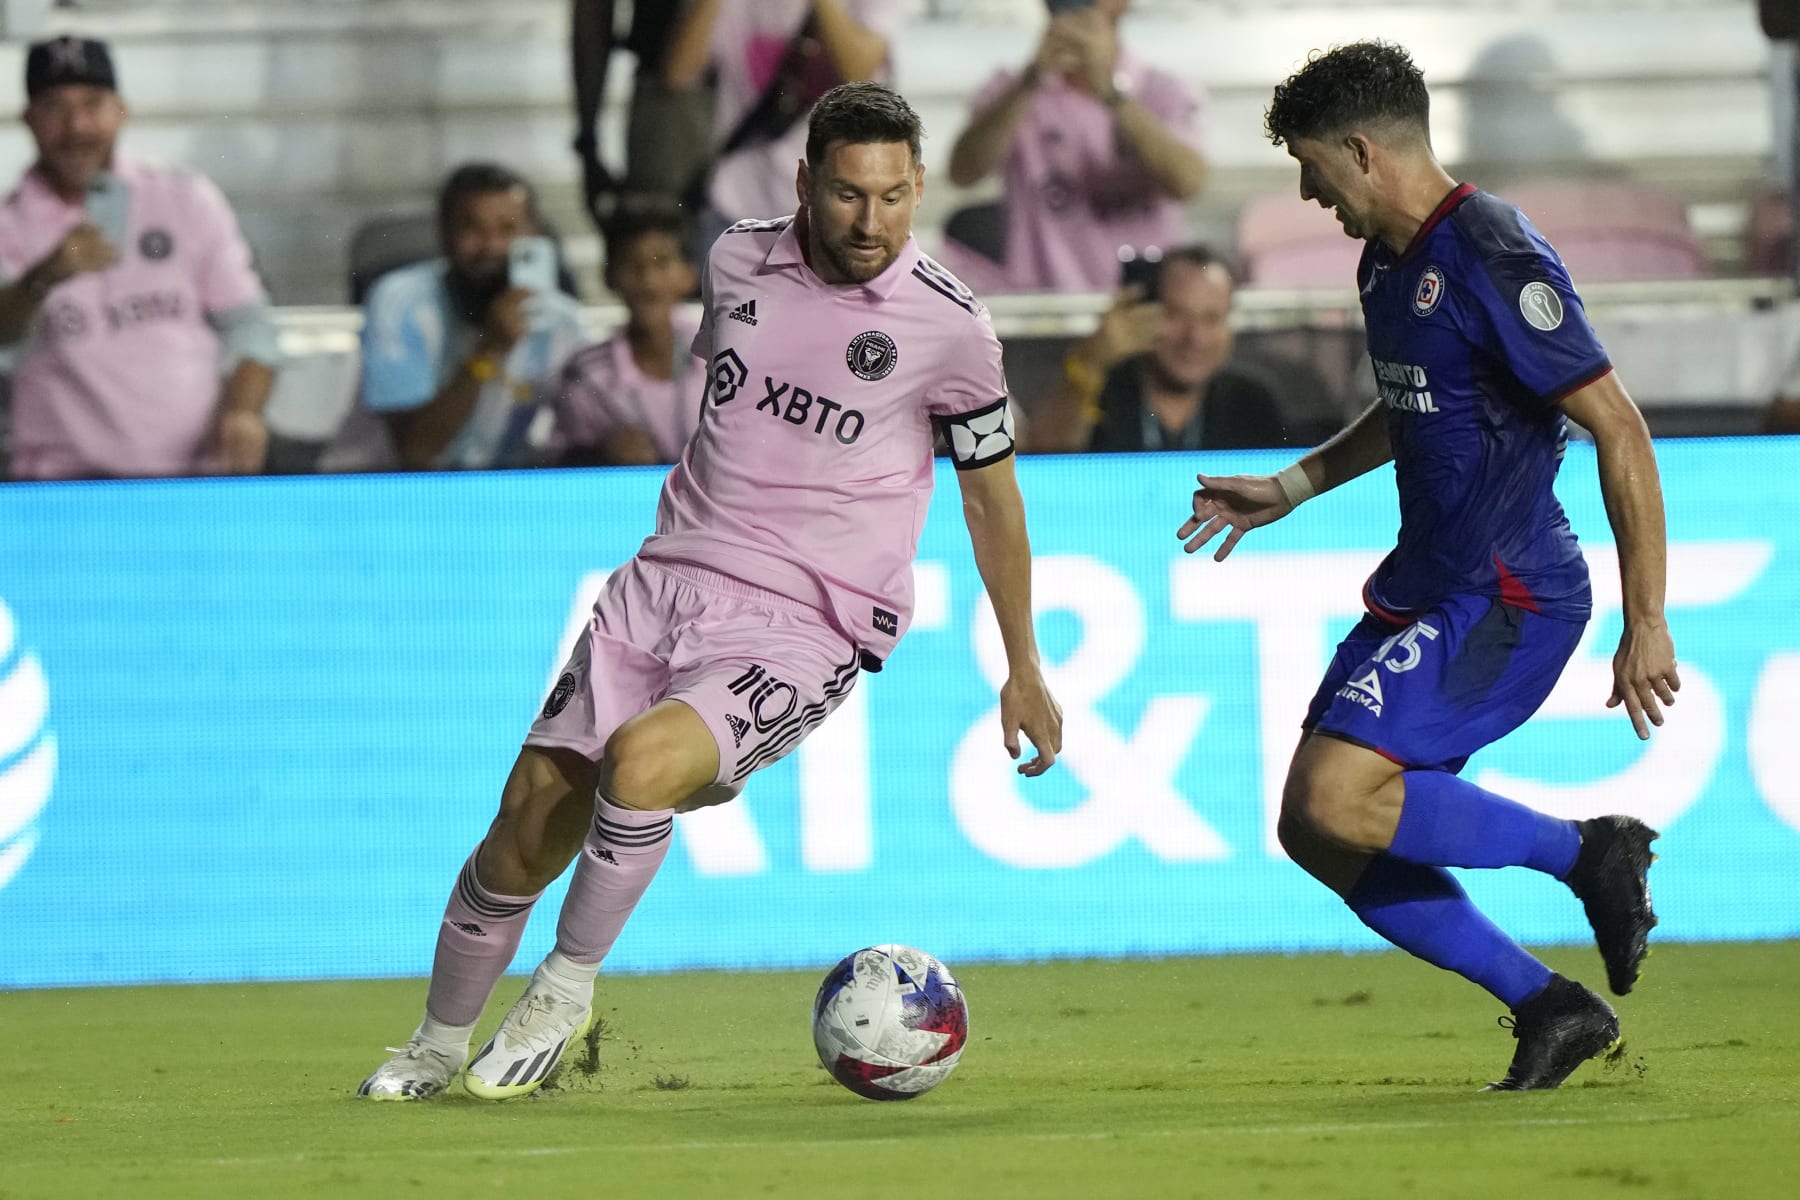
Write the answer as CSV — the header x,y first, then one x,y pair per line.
x,y
1614,231
1286,242
1604,232
1769,240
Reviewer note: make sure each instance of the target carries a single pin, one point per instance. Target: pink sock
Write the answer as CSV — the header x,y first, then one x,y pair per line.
x,y
476,943
620,857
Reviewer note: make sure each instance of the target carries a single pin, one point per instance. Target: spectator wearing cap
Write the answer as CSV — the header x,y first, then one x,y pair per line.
x,y
126,293
1097,152
457,351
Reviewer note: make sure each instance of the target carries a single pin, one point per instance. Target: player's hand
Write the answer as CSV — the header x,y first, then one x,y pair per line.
x,y
1096,48
1644,673
1239,503
1129,328
1026,704
508,317
84,249
240,442
1057,53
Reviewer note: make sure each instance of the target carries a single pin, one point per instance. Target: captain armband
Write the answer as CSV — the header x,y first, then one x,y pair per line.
x,y
979,438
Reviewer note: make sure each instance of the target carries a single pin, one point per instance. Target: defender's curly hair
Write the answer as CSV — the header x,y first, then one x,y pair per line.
x,y
1371,82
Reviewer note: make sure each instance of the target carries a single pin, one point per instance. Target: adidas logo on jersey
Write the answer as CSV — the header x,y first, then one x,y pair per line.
x,y
745,312
470,928
739,727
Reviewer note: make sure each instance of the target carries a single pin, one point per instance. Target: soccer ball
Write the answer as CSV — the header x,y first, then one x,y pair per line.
x,y
889,1022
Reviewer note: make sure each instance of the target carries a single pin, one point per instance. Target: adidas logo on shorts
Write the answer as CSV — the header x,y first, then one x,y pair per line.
x,y
739,727
745,312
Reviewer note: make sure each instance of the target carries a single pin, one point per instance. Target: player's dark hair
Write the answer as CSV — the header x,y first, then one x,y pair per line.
x,y
481,179
629,224
1364,83
862,113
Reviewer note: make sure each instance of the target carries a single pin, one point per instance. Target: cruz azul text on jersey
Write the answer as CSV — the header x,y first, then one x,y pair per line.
x,y
1404,386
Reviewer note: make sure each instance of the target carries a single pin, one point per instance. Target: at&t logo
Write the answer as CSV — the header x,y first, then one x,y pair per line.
x,y
27,749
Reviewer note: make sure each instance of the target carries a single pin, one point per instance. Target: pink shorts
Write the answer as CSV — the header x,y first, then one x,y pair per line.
x,y
761,670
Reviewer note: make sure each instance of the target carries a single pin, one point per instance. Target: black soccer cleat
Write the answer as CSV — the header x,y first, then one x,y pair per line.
x,y
1558,1029
1611,875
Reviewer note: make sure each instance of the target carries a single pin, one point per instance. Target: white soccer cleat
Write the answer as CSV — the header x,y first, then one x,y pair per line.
x,y
417,1071
527,1046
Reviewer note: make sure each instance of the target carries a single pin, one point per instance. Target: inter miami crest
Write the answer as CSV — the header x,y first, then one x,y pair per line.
x,y
560,695
872,355
156,244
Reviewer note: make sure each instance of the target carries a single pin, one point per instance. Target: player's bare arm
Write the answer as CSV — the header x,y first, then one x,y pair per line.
x,y
995,513
857,51
1644,671
1241,503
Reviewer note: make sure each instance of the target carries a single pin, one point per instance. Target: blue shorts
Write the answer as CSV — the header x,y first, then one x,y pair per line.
x,y
1430,694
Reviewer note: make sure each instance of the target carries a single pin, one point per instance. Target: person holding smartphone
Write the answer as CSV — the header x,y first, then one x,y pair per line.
x,y
1158,373
1096,150
456,350
138,332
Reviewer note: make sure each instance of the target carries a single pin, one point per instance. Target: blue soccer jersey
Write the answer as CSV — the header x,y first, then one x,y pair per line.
x,y
1477,335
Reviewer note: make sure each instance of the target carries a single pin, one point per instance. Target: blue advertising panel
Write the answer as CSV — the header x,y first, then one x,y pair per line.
x,y
250,729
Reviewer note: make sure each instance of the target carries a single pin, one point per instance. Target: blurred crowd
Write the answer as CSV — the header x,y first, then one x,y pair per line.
x,y
139,341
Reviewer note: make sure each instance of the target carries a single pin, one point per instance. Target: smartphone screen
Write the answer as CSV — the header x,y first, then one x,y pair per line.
x,y
531,264
109,209
1063,6
1144,270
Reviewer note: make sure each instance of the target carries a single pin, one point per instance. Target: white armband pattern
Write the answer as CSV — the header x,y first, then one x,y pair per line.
x,y
981,437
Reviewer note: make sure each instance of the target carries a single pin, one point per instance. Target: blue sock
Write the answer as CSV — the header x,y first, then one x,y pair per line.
x,y
1425,912
1449,822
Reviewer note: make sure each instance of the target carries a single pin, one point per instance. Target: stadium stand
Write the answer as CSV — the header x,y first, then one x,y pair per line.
x,y
316,116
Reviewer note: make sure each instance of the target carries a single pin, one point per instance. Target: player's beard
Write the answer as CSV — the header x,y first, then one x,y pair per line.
x,y
470,297
858,270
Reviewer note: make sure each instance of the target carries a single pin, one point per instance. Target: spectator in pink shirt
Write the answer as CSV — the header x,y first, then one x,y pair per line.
x,y
1097,150
634,399
126,291
772,59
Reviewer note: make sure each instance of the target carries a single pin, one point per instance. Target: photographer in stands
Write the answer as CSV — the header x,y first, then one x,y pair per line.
x,y
456,349
1097,151
1156,372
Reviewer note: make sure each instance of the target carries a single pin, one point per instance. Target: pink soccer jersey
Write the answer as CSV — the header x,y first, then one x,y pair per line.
x,y
811,471
1072,198
120,374
603,390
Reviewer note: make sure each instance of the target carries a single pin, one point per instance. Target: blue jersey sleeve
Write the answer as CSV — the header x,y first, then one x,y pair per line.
x,y
1527,314
403,341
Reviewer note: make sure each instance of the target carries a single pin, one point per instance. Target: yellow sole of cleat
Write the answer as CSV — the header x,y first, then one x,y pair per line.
x,y
487,1091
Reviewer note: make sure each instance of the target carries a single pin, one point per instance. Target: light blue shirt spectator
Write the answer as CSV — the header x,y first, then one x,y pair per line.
x,y
413,343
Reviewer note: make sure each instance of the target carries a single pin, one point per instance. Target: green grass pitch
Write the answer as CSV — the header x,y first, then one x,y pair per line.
x,y
1319,1076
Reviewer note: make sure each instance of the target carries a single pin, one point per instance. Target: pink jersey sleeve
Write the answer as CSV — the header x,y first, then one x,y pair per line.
x,y
972,376
1179,106
702,347
226,278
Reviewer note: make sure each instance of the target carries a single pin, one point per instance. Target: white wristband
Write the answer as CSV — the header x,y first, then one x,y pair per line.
x,y
1295,485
